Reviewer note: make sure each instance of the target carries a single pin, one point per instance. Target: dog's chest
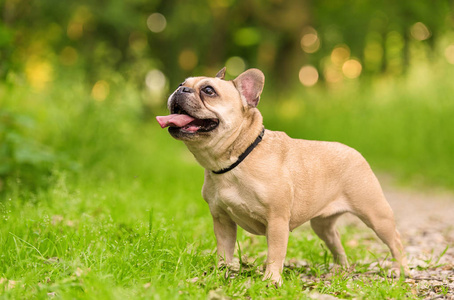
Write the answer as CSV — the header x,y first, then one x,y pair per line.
x,y
240,202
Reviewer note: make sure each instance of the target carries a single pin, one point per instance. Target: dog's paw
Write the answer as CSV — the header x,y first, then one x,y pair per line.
x,y
276,279
342,261
231,269
394,273
397,272
234,264
275,283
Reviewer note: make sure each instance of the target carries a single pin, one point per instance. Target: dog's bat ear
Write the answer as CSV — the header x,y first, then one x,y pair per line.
x,y
250,85
221,74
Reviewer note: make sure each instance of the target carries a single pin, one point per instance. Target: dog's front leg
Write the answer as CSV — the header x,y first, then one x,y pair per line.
x,y
277,233
225,232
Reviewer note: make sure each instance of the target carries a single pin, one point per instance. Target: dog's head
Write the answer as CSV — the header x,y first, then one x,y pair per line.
x,y
205,107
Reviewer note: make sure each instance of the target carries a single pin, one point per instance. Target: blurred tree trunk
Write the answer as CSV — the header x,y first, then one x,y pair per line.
x,y
287,19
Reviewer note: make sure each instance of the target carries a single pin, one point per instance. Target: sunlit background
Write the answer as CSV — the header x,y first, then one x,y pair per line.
x,y
336,70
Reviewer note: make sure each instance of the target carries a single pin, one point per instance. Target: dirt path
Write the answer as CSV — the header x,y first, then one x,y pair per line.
x,y
426,223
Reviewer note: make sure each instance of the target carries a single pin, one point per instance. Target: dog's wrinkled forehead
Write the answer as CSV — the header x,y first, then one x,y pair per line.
x,y
197,82
220,87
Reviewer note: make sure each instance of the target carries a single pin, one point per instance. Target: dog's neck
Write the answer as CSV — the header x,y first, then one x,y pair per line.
x,y
217,156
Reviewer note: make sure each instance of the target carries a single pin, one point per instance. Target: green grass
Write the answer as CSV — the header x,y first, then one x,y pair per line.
x,y
121,214
149,239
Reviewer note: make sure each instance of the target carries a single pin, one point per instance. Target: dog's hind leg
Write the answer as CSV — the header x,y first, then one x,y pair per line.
x,y
385,228
377,214
325,229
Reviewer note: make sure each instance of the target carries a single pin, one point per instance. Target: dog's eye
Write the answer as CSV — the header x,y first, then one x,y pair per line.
x,y
209,90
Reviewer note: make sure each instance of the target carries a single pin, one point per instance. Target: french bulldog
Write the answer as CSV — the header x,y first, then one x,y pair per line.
x,y
267,182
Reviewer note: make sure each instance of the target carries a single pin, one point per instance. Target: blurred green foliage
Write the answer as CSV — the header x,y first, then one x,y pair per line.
x,y
21,155
183,38
80,79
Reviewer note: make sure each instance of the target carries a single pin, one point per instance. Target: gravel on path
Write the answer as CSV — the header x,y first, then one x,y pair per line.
x,y
426,223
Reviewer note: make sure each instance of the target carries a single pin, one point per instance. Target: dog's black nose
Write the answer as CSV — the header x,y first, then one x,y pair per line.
x,y
185,89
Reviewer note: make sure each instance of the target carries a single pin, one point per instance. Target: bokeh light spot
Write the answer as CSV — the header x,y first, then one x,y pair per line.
x,y
155,81
352,68
420,32
449,54
235,65
75,30
187,59
39,73
340,54
100,90
290,109
332,74
156,22
308,75
247,36
310,41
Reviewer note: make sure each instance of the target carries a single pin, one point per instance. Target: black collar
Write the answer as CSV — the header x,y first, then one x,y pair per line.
x,y
243,156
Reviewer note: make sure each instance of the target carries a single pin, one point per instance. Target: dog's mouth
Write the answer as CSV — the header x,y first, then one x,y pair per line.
x,y
181,120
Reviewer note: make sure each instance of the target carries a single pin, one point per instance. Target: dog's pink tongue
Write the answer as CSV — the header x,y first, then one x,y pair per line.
x,y
176,120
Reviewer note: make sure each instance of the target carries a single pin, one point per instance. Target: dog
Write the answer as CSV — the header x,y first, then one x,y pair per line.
x,y
267,182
